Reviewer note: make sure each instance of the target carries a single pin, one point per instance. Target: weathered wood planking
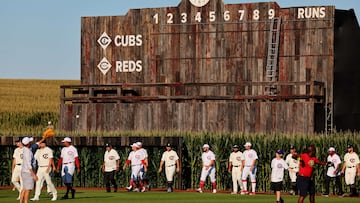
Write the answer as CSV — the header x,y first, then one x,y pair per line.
x,y
249,117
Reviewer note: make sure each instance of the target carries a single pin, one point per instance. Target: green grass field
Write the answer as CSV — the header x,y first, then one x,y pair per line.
x,y
89,196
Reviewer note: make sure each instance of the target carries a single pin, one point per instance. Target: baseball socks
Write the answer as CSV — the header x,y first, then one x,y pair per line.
x,y
214,186
170,189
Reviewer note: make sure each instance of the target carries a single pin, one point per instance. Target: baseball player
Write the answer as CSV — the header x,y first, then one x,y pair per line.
x,y
68,159
171,160
235,168
278,165
28,175
294,166
143,177
44,157
333,172
16,165
249,168
208,168
110,166
350,166
137,160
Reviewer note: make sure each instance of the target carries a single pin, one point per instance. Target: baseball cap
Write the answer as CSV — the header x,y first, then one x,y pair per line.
x,y
350,146
247,144
134,145
19,139
107,145
31,139
279,151
25,140
66,139
139,144
331,149
206,146
236,146
292,147
168,145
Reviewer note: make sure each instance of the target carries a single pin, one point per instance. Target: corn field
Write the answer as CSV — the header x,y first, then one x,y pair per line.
x,y
91,158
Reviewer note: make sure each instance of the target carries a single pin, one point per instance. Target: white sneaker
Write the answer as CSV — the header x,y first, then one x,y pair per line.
x,y
214,190
233,193
143,189
244,192
199,190
54,198
34,199
18,198
129,188
136,190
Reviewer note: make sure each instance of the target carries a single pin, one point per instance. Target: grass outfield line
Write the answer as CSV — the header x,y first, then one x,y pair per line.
x,y
94,196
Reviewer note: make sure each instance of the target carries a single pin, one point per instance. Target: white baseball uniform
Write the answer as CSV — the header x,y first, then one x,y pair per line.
x,y
170,158
277,172
249,156
27,178
68,155
207,157
142,172
351,160
136,158
16,173
294,165
44,156
110,159
337,161
235,160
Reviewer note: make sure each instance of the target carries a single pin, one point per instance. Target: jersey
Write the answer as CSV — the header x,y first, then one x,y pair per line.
x,y
207,157
277,172
169,157
292,163
27,158
307,164
142,150
18,155
235,158
351,160
136,157
110,159
337,161
68,154
43,156
249,156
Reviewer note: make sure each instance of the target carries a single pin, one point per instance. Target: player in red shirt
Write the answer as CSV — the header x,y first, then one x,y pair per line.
x,y
304,180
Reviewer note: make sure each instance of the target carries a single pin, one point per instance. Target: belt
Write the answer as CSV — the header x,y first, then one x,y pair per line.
x,y
236,166
18,164
247,166
293,167
170,165
43,166
136,164
350,167
67,163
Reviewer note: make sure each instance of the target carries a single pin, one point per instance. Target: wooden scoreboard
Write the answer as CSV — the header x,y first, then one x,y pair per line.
x,y
205,66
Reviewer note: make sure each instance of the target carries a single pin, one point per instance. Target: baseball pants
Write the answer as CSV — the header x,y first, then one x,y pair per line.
x,y
135,172
169,172
210,172
16,177
43,176
292,175
67,172
350,175
252,173
236,178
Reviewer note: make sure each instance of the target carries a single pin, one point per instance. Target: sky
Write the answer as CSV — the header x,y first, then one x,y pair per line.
x,y
40,39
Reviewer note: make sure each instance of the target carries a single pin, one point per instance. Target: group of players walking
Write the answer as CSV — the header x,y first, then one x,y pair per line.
x,y
241,165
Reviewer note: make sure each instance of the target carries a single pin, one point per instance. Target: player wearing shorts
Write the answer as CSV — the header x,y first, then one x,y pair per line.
x,y
304,181
294,166
28,175
235,168
333,172
69,158
351,165
249,161
171,160
44,157
208,168
110,166
137,160
16,166
278,165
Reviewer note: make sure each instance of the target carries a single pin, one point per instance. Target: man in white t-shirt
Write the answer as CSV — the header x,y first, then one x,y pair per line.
x,y
69,158
294,166
110,166
278,165
235,168
249,168
171,160
45,162
28,175
208,168
351,168
333,172
16,166
137,160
